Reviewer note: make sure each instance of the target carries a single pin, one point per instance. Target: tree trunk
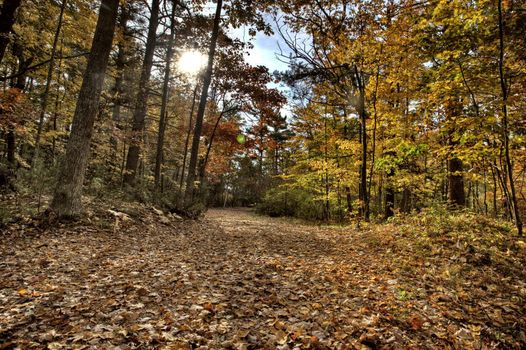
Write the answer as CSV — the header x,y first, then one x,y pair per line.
x,y
457,194
325,180
202,171
505,131
67,199
363,166
10,140
364,198
405,204
375,124
141,105
45,95
58,102
389,192
485,188
165,97
348,199
7,19
389,199
494,198
120,64
192,166
187,139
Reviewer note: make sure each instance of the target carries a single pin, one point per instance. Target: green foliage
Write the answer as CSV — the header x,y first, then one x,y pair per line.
x,y
195,210
40,180
439,221
291,202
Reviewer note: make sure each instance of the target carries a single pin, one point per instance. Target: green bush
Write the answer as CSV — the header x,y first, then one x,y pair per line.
x,y
291,202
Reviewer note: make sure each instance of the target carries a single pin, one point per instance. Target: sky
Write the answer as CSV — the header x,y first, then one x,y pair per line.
x,y
265,47
265,51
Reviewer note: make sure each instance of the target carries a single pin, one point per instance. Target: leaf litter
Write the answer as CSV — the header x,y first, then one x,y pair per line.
x,y
234,280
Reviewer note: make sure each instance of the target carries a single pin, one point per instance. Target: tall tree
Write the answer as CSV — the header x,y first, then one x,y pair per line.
x,y
188,134
207,79
45,95
141,104
67,199
165,97
505,128
120,65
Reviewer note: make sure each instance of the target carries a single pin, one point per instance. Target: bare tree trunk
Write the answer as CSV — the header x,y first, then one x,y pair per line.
x,y
405,204
141,105
327,209
67,199
375,123
187,139
7,19
503,185
348,199
389,191
11,145
364,198
338,185
485,186
505,131
494,197
389,198
45,95
58,102
192,166
457,194
165,96
120,64
209,147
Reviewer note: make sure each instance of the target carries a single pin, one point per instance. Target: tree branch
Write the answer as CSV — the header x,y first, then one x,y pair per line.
x,y
36,65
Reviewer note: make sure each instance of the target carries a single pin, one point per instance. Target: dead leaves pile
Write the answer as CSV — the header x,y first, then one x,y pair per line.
x,y
238,281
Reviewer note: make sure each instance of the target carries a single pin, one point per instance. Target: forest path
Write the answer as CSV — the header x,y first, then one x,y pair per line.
x,y
233,280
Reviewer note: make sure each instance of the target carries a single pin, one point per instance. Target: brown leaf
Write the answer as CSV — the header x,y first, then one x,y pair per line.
x,y
415,321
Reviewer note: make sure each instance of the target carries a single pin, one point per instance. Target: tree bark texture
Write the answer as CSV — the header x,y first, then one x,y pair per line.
x,y
164,102
120,66
192,165
141,104
67,199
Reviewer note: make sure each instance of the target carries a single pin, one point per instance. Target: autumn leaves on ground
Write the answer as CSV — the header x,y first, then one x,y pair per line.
x,y
140,279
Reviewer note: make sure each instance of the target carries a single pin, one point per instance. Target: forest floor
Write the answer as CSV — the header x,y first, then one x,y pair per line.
x,y
236,280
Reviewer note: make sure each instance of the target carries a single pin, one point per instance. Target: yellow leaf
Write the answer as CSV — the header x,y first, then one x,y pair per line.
x,y
282,337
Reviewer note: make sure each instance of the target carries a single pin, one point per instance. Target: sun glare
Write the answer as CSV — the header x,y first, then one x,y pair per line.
x,y
191,62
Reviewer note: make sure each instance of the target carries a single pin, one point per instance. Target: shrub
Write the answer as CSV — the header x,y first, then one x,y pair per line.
x,y
291,202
